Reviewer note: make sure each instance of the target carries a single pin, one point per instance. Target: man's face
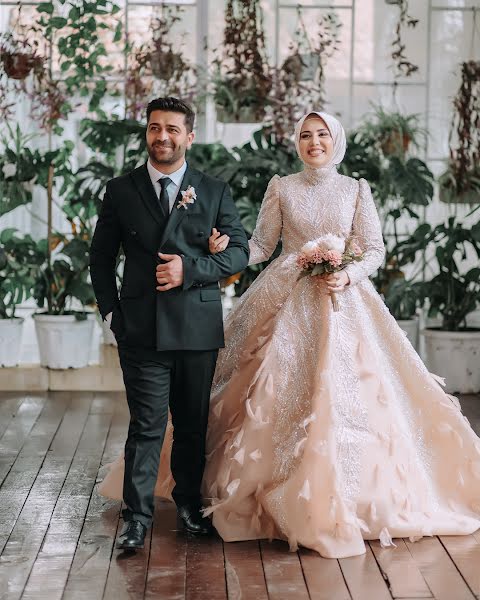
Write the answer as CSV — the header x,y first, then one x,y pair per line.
x,y
167,137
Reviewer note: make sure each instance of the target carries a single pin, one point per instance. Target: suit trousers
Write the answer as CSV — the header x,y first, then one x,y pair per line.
x,y
155,381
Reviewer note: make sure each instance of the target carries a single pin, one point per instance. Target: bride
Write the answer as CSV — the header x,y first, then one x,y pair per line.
x,y
325,427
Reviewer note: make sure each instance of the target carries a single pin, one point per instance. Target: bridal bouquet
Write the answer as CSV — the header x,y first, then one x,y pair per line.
x,y
328,254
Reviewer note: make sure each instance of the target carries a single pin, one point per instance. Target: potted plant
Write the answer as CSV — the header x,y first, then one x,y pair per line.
x,y
461,181
394,132
19,258
400,184
242,79
452,350
62,291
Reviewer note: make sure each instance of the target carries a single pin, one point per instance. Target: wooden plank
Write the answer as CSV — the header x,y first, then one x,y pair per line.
x,y
128,572
323,577
89,570
438,570
205,572
464,550
52,565
283,571
363,577
16,486
244,570
400,571
9,403
168,556
27,535
16,432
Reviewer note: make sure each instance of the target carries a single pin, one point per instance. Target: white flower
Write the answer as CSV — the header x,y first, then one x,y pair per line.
x,y
331,242
309,247
9,170
188,197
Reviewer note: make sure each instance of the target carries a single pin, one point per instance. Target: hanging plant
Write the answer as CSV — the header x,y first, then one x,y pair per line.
x,y
19,54
299,84
461,181
242,79
403,67
76,28
159,66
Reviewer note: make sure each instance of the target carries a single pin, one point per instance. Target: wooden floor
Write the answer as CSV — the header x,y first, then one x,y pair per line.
x,y
57,534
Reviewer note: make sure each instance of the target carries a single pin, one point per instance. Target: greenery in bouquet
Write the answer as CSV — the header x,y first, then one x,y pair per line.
x,y
20,257
242,79
451,292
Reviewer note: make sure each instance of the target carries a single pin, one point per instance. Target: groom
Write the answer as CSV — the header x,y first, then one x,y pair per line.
x,y
168,319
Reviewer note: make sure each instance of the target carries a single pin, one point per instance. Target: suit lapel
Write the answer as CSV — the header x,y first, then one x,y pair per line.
x,y
192,177
144,185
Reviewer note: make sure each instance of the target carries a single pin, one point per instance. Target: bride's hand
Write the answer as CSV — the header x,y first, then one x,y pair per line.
x,y
337,282
216,242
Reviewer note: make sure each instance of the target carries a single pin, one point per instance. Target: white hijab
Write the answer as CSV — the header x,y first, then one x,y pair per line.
x,y
336,131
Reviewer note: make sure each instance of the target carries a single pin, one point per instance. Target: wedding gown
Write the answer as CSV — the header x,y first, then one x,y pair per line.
x,y
325,427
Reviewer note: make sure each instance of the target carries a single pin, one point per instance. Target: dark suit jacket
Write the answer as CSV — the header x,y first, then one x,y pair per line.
x,y
184,318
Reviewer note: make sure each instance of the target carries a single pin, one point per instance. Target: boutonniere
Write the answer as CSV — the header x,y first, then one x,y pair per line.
x,y
188,197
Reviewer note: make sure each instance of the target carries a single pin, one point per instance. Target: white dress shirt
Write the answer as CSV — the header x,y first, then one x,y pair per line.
x,y
173,187
172,190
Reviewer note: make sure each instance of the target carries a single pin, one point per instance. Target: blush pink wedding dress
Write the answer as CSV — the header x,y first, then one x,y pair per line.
x,y
325,427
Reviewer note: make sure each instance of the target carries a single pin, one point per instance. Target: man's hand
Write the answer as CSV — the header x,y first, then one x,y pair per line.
x,y
216,242
170,274
337,282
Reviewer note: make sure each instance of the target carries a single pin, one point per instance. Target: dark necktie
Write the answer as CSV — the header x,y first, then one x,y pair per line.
x,y
164,199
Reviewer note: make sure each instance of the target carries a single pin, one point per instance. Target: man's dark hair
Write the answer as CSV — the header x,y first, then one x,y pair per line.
x,y
173,105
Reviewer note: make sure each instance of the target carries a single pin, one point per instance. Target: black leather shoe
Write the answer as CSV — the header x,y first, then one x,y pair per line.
x,y
132,536
193,520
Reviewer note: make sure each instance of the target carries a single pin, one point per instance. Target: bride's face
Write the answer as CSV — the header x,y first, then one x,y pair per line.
x,y
316,144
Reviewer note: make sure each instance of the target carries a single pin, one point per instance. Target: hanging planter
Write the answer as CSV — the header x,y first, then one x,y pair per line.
x,y
303,67
18,65
460,184
242,80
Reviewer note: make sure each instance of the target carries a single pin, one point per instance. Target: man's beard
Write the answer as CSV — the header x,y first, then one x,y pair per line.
x,y
176,154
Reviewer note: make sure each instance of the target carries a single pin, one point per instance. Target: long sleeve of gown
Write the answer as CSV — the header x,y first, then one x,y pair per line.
x,y
268,227
367,232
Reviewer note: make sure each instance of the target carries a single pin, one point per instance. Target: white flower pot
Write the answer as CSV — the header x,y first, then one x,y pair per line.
x,y
454,355
10,341
64,342
410,327
108,337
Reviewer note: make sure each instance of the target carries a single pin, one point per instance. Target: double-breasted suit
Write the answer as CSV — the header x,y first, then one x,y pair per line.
x,y
168,341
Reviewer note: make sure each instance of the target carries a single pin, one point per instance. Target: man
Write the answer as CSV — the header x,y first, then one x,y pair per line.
x,y
168,319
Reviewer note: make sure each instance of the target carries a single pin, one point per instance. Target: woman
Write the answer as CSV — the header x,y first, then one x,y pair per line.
x,y
325,427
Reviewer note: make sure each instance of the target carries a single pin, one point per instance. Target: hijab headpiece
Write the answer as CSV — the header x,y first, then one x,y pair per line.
x,y
338,136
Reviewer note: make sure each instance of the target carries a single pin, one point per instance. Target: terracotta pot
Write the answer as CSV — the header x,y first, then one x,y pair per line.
x,y
395,143
18,65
